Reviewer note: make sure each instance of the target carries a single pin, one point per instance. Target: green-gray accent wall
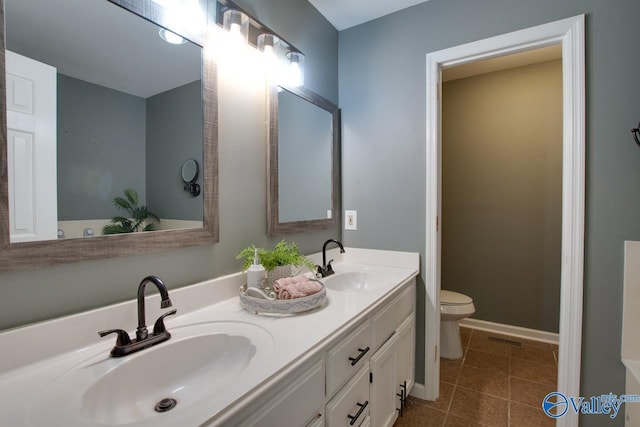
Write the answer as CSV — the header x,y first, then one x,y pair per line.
x,y
502,193
383,101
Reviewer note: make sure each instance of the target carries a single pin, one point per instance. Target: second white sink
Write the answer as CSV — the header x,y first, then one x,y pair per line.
x,y
356,281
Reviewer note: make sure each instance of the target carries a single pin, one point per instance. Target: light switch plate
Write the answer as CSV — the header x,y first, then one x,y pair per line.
x,y
350,220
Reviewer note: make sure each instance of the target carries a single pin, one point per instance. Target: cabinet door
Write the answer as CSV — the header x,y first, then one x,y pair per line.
x,y
383,389
405,363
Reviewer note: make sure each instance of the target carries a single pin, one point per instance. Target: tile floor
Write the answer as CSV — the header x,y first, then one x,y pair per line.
x,y
495,384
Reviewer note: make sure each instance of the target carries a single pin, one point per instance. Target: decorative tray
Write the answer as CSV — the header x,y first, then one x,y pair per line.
x,y
261,305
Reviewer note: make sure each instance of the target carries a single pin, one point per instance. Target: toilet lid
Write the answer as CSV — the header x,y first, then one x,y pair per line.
x,y
453,298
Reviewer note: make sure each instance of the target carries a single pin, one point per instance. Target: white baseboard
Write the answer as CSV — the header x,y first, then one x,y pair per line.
x,y
514,331
419,391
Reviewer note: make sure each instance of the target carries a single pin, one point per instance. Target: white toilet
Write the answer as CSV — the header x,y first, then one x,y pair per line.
x,y
453,307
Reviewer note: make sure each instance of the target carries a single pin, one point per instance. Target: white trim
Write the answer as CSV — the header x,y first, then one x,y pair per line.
x,y
418,391
570,33
510,330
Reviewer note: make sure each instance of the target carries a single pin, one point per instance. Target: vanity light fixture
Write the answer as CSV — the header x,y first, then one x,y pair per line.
x,y
295,74
237,24
284,62
170,37
184,17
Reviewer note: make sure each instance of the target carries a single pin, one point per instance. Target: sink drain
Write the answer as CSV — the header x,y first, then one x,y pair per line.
x,y
166,405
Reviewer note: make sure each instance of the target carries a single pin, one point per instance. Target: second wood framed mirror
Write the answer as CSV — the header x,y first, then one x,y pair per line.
x,y
303,169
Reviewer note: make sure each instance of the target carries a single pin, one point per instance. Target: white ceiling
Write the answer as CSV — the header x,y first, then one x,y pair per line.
x,y
344,14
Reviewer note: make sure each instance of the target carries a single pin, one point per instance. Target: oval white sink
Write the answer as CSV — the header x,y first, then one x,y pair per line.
x,y
355,281
199,364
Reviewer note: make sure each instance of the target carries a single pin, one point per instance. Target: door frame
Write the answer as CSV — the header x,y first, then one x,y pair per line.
x,y
570,34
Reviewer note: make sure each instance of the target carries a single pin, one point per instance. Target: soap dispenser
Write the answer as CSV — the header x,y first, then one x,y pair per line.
x,y
256,274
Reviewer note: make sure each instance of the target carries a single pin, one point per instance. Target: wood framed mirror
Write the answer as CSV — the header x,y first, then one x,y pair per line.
x,y
303,161
21,255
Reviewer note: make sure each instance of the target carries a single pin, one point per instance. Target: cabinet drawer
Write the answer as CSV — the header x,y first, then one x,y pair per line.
x,y
387,320
350,407
345,358
298,403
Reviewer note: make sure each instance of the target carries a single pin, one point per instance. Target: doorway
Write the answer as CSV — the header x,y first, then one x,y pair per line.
x,y
502,190
569,33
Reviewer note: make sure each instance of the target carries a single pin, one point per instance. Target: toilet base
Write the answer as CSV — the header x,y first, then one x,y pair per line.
x,y
450,342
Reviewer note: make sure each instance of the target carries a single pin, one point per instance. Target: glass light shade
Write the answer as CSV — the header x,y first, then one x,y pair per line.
x,y
268,44
270,47
170,37
295,73
236,23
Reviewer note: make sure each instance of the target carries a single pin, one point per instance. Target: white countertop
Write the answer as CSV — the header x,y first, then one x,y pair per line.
x,y
46,350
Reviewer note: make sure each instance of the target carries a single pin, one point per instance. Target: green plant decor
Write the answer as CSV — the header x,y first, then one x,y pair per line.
x,y
284,253
139,216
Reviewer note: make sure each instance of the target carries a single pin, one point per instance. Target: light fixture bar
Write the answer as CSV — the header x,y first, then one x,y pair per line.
x,y
256,28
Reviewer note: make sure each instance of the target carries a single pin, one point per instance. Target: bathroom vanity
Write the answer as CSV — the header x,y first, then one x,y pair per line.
x,y
350,362
630,319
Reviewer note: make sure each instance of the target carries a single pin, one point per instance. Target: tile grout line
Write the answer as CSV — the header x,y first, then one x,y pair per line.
x,y
455,385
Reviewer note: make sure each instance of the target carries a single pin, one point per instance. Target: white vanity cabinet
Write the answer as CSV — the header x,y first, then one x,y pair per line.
x,y
359,378
406,357
345,358
341,365
390,368
297,400
350,406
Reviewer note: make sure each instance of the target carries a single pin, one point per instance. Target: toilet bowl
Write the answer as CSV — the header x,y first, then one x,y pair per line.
x,y
453,307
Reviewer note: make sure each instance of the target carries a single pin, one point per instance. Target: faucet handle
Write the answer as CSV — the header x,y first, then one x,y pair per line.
x,y
123,336
329,267
158,327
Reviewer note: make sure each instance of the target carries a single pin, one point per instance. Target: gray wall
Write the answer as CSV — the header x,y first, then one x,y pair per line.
x,y
50,292
101,148
382,96
174,135
502,193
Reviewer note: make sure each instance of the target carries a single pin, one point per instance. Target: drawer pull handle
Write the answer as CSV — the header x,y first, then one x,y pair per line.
x,y
353,418
403,398
355,360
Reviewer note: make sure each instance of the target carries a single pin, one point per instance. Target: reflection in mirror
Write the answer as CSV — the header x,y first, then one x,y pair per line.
x,y
116,99
189,171
97,103
304,155
303,166
189,175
